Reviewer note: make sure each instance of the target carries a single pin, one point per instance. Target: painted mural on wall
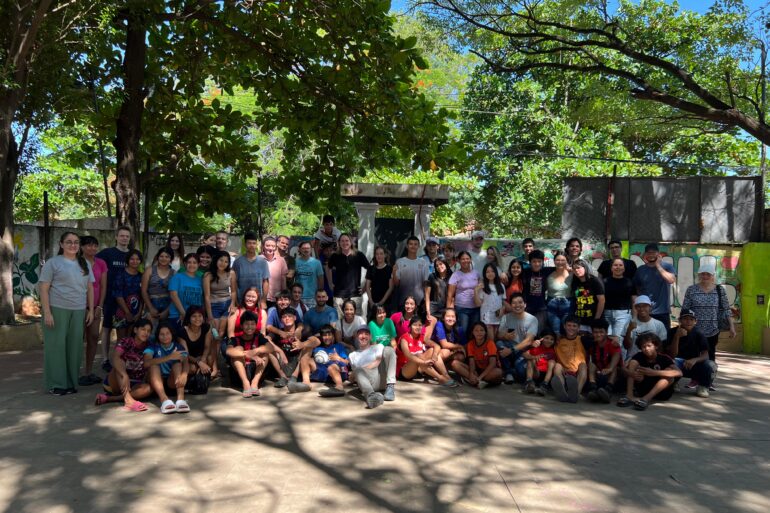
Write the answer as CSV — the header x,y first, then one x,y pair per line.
x,y
26,267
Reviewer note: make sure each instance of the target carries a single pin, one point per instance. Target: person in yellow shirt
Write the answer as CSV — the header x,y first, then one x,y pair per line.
x,y
571,370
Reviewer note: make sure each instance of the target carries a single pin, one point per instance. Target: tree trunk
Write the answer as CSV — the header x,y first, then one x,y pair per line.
x,y
8,173
129,126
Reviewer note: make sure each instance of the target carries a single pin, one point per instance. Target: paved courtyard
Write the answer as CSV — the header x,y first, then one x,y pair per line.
x,y
433,450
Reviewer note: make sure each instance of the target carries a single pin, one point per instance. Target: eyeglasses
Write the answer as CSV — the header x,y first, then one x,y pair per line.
x,y
71,242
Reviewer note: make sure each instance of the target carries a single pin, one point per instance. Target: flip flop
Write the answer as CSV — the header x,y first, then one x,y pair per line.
x,y
167,407
182,406
247,393
256,392
101,399
640,404
136,406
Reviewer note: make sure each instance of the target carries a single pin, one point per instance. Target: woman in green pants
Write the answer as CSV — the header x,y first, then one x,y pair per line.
x,y
67,296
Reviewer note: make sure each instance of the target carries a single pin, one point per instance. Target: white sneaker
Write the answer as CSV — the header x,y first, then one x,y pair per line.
x,y
508,379
702,391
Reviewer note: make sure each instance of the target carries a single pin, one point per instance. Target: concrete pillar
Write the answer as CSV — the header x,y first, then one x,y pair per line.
x,y
366,237
422,215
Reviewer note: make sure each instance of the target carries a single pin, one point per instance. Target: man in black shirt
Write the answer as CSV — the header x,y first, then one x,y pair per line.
x,y
690,350
616,249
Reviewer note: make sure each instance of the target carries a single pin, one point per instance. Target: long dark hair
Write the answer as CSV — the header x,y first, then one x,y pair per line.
x,y
498,284
180,251
215,261
79,257
165,249
447,274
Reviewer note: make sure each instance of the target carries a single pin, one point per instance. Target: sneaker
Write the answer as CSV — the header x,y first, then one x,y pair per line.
x,y
331,392
451,384
530,387
677,386
57,391
483,385
541,390
712,388
84,381
559,390
572,390
297,387
702,391
692,384
72,391
604,395
374,400
593,394
509,379
281,382
390,392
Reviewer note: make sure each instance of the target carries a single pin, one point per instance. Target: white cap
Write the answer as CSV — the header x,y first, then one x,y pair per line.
x,y
477,234
642,300
709,268
434,240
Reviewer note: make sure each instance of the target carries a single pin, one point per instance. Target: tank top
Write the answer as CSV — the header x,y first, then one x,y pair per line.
x,y
556,289
195,347
219,289
237,331
157,286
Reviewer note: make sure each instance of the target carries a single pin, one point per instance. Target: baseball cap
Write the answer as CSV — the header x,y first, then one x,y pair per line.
x,y
430,240
651,247
476,234
686,312
642,300
709,268
364,328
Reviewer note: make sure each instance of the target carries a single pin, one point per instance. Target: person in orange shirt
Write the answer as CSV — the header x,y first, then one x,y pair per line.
x,y
571,370
482,368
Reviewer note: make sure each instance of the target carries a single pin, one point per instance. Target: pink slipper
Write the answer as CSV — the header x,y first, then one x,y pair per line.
x,y
136,406
101,399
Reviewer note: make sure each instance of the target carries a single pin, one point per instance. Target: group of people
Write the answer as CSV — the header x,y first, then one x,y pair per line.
x,y
188,318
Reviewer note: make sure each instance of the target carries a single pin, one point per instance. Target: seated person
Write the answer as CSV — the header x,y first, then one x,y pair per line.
x,y
381,328
291,350
481,368
450,337
604,365
516,332
249,303
167,366
248,355
329,361
541,359
571,370
274,324
126,381
650,374
320,315
644,323
415,356
374,367
690,347
296,299
195,337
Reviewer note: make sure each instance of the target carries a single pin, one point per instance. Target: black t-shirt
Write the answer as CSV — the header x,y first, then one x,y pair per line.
x,y
535,286
692,345
283,343
438,289
618,292
380,279
661,362
347,273
585,297
195,347
605,268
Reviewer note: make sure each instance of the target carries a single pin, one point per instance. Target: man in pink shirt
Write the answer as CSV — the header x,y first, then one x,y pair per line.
x,y
278,269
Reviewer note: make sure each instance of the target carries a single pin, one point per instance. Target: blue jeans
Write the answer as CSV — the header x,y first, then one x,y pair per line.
x,y
466,317
702,372
618,321
515,363
558,310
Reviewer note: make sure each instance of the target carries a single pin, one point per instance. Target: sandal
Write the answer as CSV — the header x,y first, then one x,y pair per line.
x,y
640,404
136,406
624,401
167,407
247,393
182,406
101,399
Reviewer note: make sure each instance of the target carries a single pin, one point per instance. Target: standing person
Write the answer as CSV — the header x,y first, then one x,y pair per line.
x,y
436,288
654,280
449,254
460,292
493,257
517,333
489,296
209,239
309,273
155,281
115,258
206,256
326,235
282,246
90,246
251,270
616,251
588,296
527,247
296,300
431,251
66,289
343,270
223,243
477,254
535,286
573,249
409,273
374,366
620,295
515,281
710,305
185,289
176,244
277,268
219,295
127,293
379,282
558,293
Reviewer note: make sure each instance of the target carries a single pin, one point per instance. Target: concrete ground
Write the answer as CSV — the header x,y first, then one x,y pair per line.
x,y
433,450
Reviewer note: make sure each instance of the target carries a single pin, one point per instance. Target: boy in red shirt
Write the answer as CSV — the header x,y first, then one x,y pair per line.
x,y
605,361
541,358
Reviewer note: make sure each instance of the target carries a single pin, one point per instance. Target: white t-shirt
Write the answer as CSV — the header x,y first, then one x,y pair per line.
x,y
479,260
363,358
524,326
349,331
412,275
327,239
654,326
491,304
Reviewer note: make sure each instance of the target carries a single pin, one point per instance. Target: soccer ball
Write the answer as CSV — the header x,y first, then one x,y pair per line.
x,y
322,357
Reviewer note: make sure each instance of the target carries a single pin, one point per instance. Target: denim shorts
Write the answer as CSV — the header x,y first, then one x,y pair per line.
x,y
219,310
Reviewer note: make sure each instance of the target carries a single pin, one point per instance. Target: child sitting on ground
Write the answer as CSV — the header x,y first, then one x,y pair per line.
x,y
248,353
541,359
605,362
650,374
329,360
167,365
292,350
482,368
571,370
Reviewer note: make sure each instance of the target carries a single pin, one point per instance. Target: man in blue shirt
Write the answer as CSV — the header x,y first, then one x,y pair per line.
x,y
322,314
654,280
251,270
